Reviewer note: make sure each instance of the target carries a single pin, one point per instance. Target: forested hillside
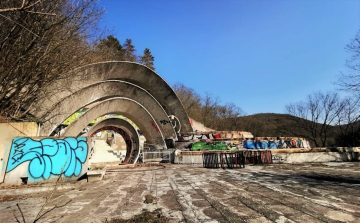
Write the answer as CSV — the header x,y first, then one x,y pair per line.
x,y
40,41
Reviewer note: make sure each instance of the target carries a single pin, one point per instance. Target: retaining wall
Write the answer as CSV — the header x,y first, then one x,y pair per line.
x,y
319,155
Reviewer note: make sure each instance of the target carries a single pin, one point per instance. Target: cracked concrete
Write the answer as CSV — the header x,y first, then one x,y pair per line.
x,y
190,193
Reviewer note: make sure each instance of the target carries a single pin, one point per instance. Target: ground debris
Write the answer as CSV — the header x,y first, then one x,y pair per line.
x,y
146,216
5,187
149,199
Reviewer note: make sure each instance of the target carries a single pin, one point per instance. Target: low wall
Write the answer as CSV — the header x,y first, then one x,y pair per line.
x,y
38,159
317,155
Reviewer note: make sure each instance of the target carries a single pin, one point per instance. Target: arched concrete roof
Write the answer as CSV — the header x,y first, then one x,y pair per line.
x,y
124,106
101,91
131,72
132,155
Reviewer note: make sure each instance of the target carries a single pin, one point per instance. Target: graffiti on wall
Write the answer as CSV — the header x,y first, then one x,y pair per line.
x,y
164,122
200,136
49,156
278,158
223,145
155,126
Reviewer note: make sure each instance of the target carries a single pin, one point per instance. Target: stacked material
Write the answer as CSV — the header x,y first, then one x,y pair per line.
x,y
235,140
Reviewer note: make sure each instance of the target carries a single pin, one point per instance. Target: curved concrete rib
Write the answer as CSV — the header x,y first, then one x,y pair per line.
x,y
124,106
127,71
132,154
106,90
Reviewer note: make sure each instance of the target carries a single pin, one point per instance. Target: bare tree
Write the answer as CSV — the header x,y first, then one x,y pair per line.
x,y
208,109
348,122
39,41
317,115
227,117
350,81
22,5
190,100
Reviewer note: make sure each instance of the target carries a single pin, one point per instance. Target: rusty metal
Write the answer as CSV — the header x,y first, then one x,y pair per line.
x,y
224,160
258,156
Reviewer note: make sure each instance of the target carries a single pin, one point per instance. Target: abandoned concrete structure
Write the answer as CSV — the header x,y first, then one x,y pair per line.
x,y
124,88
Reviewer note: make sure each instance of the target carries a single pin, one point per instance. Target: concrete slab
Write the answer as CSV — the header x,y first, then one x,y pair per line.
x,y
190,193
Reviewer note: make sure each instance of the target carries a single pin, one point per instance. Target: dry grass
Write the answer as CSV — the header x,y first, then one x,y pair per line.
x,y
146,216
4,119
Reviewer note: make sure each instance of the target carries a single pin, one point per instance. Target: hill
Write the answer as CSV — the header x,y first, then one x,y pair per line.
x,y
269,124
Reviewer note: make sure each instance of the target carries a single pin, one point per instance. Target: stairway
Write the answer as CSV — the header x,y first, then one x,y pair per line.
x,y
104,153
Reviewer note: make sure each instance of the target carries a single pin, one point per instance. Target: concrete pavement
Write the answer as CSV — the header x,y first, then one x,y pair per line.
x,y
189,193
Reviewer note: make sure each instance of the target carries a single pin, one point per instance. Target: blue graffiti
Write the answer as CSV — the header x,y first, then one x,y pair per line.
x,y
49,156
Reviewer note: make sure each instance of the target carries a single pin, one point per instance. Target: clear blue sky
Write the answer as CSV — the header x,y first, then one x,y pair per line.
x,y
260,55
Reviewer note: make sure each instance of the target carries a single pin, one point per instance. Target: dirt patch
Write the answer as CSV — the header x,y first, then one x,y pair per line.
x,y
169,200
201,203
148,217
4,198
212,213
149,199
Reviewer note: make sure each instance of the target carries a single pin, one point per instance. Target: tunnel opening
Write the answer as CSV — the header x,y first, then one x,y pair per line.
x,y
116,138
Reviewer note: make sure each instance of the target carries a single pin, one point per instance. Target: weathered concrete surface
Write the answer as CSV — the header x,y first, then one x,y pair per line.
x,y
105,90
198,126
189,193
126,71
8,131
130,109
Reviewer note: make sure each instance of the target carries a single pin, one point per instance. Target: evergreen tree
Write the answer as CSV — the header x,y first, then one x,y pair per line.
x,y
111,49
129,51
147,59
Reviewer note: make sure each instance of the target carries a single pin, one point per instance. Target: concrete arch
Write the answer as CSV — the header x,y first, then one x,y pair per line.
x,y
127,71
127,107
104,90
131,136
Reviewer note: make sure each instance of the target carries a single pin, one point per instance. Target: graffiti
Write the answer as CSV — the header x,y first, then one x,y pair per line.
x,y
277,158
204,146
49,156
164,122
155,127
225,135
200,136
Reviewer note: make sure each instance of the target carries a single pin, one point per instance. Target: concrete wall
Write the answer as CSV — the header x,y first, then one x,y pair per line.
x,y
38,159
315,155
133,73
198,126
7,132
